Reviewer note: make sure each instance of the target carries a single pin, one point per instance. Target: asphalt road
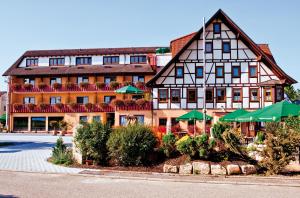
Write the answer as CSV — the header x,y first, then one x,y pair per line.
x,y
21,184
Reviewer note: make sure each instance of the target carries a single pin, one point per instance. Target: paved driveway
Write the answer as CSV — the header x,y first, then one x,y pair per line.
x,y
30,153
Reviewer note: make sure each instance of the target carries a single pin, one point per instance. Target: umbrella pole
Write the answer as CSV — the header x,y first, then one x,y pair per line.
x,y
194,127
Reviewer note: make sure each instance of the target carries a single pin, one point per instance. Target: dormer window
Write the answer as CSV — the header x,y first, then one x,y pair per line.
x,y
138,59
32,62
217,28
83,60
56,61
109,60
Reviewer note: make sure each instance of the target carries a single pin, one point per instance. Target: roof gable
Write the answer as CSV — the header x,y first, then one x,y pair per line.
x,y
261,51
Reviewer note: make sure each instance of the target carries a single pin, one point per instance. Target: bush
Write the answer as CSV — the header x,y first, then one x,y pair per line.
x,y
61,154
187,146
218,129
281,144
168,144
131,145
260,137
91,139
233,142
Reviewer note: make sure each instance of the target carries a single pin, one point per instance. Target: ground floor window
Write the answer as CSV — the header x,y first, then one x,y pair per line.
x,y
20,123
38,123
83,118
53,119
140,119
123,120
96,118
162,121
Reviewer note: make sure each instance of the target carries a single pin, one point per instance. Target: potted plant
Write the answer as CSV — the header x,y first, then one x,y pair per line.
x,y
129,102
44,106
18,106
31,106
100,85
117,102
70,85
42,85
59,106
63,125
84,85
73,105
28,86
89,106
126,83
140,85
103,105
16,86
54,124
114,84
141,102
56,85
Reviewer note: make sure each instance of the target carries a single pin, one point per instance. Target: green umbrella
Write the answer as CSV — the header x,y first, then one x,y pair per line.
x,y
129,90
251,116
194,115
231,117
3,118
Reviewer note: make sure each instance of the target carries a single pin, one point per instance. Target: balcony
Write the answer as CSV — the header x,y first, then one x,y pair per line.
x,y
76,108
86,87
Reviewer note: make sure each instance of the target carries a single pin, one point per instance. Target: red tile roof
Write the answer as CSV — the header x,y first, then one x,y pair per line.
x,y
178,43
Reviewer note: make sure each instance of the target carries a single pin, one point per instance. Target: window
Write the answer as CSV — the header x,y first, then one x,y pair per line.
x,y
268,94
82,99
191,95
208,47
83,118
236,94
123,120
56,61
55,99
217,28
29,81
199,72
96,118
162,121
38,123
254,94
174,121
226,47
107,80
219,72
28,100
175,95
209,95
20,123
221,93
279,93
136,97
55,80
236,71
138,59
83,60
253,71
32,62
140,119
108,60
163,95
179,72
108,99
138,79
83,79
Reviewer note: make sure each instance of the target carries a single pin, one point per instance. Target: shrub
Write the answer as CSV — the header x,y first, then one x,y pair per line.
x,y
140,85
141,102
233,142
281,143
16,86
218,129
176,128
44,106
186,146
54,124
31,106
129,102
204,145
89,105
117,102
61,154
56,85
168,144
100,85
114,84
91,140
260,137
70,85
28,86
84,85
131,145
42,85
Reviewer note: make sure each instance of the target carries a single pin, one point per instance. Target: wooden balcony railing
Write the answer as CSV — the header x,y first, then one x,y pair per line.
x,y
78,108
65,88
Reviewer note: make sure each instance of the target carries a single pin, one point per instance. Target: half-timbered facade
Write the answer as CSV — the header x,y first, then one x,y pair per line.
x,y
239,73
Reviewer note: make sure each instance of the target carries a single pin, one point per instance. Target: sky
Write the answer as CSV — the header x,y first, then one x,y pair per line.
x,y
65,24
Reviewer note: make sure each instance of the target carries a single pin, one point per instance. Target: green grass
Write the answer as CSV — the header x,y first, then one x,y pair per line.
x,y
3,144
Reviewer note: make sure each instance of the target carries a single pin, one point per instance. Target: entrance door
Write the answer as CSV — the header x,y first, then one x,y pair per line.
x,y
110,119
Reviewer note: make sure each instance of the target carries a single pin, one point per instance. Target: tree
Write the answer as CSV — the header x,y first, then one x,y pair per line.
x,y
292,93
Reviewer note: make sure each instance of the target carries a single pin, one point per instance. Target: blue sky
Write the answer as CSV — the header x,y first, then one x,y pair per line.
x,y
61,24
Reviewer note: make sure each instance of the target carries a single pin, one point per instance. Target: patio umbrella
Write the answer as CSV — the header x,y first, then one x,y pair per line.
x,y
129,90
193,115
3,118
231,117
251,116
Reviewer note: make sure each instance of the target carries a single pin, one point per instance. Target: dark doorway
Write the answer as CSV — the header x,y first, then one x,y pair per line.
x,y
110,119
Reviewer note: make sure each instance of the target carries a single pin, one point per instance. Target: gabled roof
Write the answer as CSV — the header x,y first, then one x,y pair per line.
x,y
16,70
260,51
